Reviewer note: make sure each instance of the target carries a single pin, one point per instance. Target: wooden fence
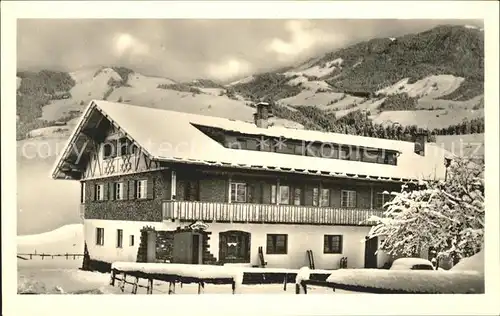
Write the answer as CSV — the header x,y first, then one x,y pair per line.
x,y
29,256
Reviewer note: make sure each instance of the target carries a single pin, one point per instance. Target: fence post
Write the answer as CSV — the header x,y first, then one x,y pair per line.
x,y
150,286
113,274
122,285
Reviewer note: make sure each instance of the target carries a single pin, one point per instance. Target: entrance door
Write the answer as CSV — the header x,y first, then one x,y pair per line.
x,y
196,249
371,246
151,249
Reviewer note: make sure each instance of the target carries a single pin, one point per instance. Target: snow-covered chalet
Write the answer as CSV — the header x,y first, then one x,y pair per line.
x,y
248,192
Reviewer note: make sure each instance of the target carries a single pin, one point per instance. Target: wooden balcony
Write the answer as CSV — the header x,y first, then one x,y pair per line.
x,y
264,213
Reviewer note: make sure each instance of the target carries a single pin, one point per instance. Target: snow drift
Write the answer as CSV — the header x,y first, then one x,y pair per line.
x,y
411,281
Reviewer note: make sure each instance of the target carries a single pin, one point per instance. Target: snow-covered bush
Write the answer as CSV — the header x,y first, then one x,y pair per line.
x,y
446,215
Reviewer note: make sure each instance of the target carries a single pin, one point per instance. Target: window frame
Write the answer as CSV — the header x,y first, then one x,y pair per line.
x,y
143,185
121,191
328,244
386,197
119,238
99,192
131,240
99,236
321,191
282,201
234,198
274,241
349,193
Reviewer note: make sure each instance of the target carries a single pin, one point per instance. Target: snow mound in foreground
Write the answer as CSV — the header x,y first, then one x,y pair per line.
x,y
413,281
474,263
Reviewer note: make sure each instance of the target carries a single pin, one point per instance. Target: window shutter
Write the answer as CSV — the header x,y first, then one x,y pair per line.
x,y
111,191
222,247
250,189
131,190
105,188
125,190
93,190
149,188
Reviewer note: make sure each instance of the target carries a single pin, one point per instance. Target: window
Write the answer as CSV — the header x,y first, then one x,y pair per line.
x,y
99,192
315,197
109,149
299,149
234,246
141,189
297,196
238,192
265,144
277,244
131,242
369,155
119,191
313,150
119,238
325,197
133,149
381,198
252,144
123,145
99,236
348,198
283,148
390,159
284,194
332,244
329,151
344,153
191,190
355,154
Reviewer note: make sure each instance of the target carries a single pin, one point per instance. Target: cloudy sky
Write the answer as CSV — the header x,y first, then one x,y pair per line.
x,y
188,49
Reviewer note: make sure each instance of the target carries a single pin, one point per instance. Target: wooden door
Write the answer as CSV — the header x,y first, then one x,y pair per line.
x,y
151,248
371,246
195,257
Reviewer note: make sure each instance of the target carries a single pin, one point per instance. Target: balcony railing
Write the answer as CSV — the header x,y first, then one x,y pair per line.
x,y
264,213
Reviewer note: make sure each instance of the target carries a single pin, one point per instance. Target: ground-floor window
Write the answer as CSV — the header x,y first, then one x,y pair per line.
x,y
234,246
99,236
332,244
277,244
131,243
119,238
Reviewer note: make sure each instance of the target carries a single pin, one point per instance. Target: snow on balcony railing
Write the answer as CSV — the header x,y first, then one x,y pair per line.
x,y
264,213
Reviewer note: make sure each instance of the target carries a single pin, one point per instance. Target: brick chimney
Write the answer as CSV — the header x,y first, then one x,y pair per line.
x,y
264,112
420,141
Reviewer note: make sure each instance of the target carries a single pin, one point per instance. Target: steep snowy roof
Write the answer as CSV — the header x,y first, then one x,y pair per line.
x,y
171,136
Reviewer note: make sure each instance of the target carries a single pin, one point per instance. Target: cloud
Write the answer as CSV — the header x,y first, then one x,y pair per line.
x,y
185,49
125,43
304,37
228,68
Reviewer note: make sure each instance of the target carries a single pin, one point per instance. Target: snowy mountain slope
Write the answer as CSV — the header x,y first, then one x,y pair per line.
x,y
65,239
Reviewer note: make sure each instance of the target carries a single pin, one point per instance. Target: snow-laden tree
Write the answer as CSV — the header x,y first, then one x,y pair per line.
x,y
447,215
